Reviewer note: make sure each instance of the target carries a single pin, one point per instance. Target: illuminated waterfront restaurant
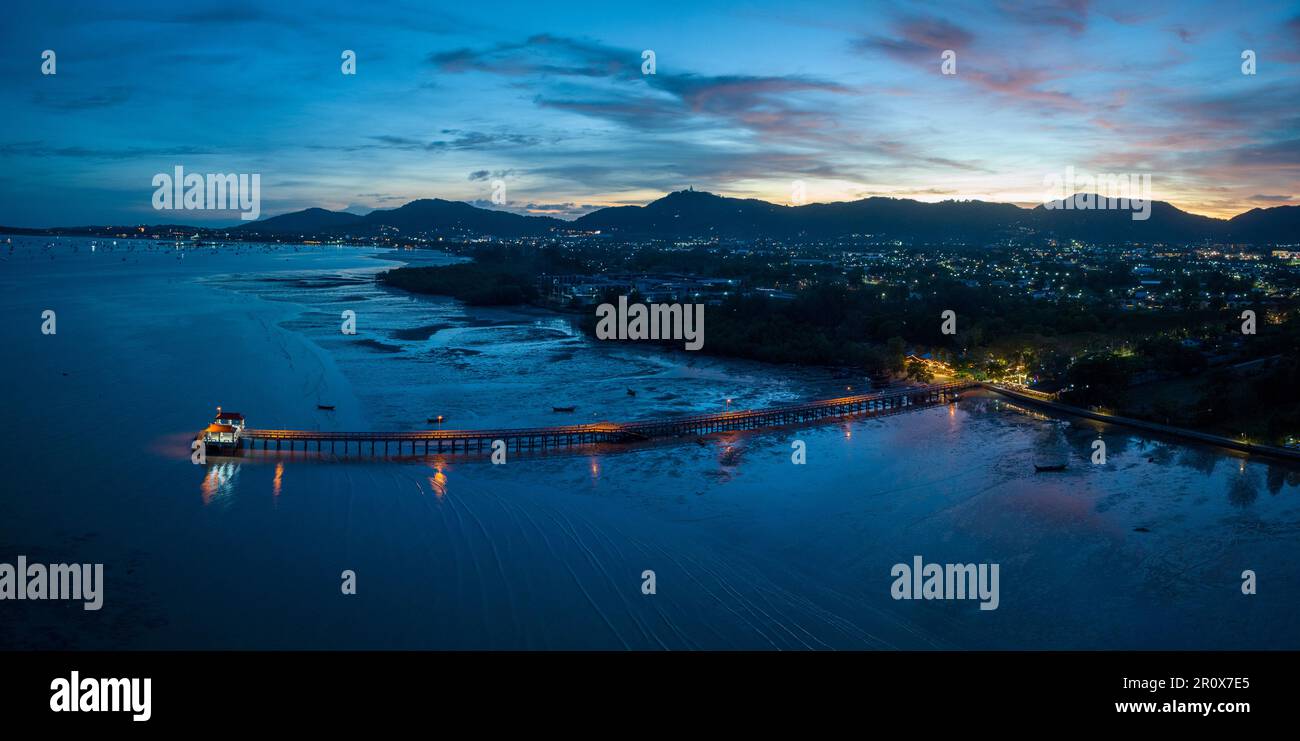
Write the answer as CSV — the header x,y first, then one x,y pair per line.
x,y
225,429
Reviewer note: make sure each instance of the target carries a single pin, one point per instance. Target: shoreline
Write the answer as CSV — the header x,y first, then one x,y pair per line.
x,y
1183,433
579,316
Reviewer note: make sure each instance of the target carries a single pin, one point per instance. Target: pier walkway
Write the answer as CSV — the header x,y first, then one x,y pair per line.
x,y
891,401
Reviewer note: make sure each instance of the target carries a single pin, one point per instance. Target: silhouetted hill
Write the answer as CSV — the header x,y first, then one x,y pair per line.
x,y
307,221
1166,223
427,215
903,218
695,213
1277,225
455,217
691,213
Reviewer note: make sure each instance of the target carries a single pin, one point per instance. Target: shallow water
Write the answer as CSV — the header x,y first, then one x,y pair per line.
x,y
547,551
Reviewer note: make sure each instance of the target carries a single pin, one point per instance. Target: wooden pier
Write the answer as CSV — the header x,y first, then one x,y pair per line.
x,y
466,441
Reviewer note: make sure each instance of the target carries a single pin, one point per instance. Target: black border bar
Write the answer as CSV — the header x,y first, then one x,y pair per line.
x,y
988,690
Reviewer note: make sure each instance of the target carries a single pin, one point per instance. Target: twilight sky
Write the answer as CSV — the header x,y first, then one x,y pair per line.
x,y
550,97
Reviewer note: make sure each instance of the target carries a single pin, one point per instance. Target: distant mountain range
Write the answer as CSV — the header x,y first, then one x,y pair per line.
x,y
691,213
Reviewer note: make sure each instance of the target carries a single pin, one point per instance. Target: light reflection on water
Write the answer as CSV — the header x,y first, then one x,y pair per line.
x,y
750,550
220,481
438,481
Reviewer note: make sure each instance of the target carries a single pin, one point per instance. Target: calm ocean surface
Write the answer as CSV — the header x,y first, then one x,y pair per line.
x,y
547,551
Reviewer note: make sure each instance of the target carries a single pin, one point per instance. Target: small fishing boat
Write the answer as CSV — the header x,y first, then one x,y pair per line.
x,y
1050,467
326,407
563,409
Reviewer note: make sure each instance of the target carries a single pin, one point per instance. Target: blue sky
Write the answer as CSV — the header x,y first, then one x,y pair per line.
x,y
748,97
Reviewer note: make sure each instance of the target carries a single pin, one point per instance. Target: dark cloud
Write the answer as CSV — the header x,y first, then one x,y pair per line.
x,y
634,111
762,104
479,175
559,209
482,140
458,140
543,54
918,39
905,152
389,141
1255,108
1269,155
1071,15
